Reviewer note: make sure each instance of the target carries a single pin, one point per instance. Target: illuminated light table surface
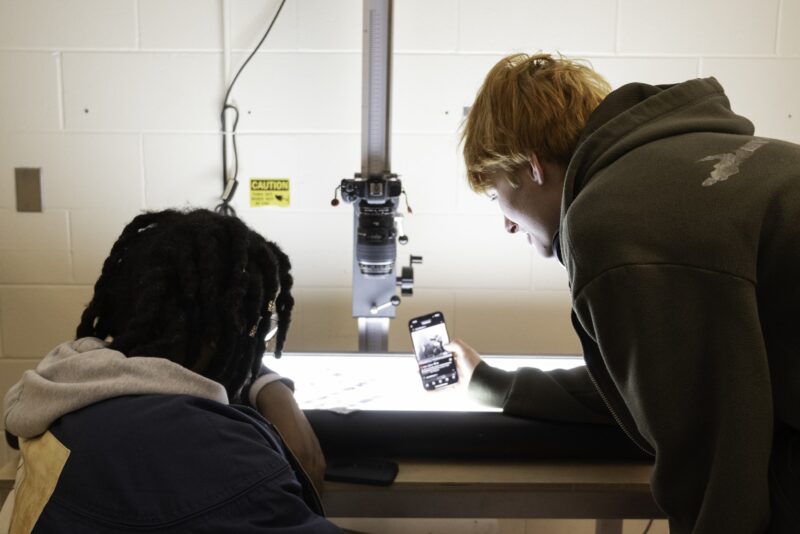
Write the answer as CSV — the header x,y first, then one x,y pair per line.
x,y
605,490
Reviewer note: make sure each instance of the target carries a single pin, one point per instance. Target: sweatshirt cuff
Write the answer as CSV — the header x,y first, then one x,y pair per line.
x,y
490,385
259,383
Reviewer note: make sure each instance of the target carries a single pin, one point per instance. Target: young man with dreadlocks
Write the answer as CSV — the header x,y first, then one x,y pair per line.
x,y
131,427
679,232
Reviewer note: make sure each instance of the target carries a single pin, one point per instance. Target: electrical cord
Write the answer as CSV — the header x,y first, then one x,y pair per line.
x,y
229,185
647,528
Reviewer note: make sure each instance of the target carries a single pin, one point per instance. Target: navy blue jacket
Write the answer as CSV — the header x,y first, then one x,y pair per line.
x,y
176,463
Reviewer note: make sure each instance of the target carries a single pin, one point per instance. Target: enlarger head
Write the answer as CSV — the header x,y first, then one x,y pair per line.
x,y
375,200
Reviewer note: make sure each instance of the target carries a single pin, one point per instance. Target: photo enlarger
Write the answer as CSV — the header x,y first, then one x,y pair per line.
x,y
371,403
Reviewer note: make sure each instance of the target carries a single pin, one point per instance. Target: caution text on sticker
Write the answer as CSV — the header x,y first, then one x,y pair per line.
x,y
269,192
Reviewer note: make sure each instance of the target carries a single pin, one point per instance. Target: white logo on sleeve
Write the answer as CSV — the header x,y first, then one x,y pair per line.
x,y
728,164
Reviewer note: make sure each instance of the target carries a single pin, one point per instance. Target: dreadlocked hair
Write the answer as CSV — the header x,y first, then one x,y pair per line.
x,y
194,287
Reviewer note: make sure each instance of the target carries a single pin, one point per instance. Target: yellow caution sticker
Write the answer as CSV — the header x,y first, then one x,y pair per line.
x,y
269,192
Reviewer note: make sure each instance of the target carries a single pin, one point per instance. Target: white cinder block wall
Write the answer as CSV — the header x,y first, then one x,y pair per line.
x,y
117,101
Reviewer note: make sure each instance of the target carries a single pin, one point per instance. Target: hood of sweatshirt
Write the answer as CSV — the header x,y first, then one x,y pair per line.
x,y
79,373
637,114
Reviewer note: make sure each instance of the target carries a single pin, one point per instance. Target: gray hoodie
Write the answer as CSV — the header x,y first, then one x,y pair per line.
x,y
79,373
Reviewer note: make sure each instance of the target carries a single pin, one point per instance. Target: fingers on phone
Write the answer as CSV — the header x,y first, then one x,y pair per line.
x,y
455,347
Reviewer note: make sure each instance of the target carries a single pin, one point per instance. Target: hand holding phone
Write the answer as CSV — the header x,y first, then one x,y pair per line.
x,y
467,358
437,367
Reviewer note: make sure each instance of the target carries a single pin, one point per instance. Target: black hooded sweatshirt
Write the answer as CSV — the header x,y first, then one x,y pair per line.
x,y
680,232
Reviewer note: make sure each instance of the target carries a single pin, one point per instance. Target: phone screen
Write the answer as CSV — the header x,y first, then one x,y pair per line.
x,y
436,366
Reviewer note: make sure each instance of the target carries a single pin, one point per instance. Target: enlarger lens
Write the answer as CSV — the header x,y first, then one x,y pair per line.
x,y
376,248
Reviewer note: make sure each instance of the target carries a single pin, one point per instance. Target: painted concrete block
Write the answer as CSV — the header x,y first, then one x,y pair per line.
x,y
726,27
567,26
143,91
36,319
159,28
29,92
77,170
63,24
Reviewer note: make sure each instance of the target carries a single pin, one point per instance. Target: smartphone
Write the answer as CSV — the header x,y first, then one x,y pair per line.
x,y
377,472
436,366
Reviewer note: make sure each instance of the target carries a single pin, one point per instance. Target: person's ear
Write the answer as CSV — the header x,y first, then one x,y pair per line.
x,y
537,173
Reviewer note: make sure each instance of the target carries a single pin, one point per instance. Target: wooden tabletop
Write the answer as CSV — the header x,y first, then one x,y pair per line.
x,y
463,489
501,490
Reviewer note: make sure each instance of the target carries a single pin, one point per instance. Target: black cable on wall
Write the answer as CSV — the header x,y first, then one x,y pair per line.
x,y
229,184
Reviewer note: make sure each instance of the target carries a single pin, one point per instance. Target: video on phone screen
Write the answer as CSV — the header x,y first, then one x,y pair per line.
x,y
436,365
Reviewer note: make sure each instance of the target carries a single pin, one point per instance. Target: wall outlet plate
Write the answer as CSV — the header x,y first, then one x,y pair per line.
x,y
29,189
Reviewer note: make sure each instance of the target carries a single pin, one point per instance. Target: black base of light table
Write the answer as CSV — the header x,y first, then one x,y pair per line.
x,y
466,435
